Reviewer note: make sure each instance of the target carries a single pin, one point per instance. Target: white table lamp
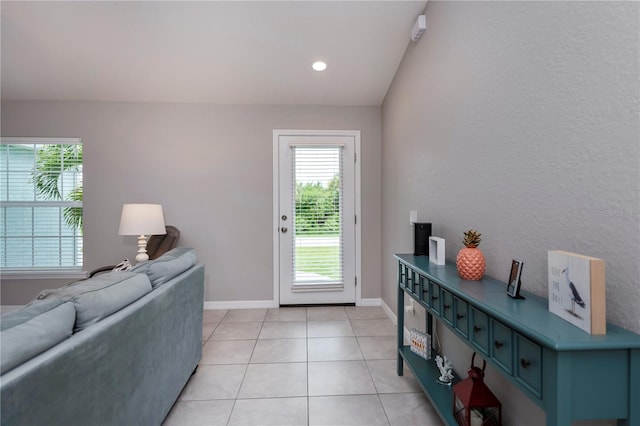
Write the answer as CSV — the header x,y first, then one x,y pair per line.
x,y
142,220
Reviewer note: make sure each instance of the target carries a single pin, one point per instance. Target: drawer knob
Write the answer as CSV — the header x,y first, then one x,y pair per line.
x,y
498,344
477,329
434,297
459,316
447,306
524,363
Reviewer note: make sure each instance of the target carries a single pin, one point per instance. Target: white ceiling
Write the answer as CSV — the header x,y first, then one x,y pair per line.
x,y
231,52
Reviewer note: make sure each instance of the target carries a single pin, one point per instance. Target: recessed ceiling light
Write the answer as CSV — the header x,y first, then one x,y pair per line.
x,y
319,66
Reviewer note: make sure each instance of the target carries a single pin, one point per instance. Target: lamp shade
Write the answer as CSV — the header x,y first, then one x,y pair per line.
x,y
142,219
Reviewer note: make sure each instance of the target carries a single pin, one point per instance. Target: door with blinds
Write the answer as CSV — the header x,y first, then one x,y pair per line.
x,y
316,219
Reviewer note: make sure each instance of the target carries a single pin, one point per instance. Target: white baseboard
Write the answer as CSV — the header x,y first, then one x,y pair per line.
x,y
389,312
394,319
240,304
261,304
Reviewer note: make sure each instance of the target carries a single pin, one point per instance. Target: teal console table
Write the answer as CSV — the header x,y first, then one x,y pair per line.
x,y
569,373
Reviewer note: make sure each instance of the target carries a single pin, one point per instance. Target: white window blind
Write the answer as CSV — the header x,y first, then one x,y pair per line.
x,y
318,242
40,204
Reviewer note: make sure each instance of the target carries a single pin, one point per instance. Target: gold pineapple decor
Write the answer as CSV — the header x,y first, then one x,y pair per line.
x,y
470,260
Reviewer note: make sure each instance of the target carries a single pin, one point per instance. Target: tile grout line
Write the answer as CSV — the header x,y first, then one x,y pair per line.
x,y
307,351
370,375
246,369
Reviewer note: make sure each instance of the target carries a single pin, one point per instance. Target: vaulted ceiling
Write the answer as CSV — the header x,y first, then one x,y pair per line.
x,y
228,52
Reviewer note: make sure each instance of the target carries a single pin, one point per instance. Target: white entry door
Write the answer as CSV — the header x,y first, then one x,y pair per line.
x,y
316,215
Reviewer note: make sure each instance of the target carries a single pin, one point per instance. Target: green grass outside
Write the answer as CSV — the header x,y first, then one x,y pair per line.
x,y
315,234
319,260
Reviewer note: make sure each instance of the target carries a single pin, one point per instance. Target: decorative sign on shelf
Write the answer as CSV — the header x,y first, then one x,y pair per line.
x,y
577,290
420,343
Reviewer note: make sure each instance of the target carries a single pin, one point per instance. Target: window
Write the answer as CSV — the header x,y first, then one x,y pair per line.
x,y
318,234
41,204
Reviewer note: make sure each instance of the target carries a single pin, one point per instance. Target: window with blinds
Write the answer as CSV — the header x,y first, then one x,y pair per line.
x,y
41,204
317,237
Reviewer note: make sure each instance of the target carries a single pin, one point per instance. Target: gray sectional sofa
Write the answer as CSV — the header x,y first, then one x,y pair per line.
x,y
116,349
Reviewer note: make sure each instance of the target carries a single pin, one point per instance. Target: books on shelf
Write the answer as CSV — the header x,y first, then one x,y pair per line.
x,y
577,290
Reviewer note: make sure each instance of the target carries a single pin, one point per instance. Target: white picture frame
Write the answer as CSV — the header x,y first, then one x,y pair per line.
x,y
436,250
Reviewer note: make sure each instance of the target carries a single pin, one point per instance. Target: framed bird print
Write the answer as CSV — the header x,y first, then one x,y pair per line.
x,y
577,290
513,285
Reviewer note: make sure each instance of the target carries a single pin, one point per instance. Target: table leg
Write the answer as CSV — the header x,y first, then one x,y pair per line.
x,y
400,331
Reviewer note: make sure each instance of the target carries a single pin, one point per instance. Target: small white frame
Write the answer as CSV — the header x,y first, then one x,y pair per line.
x,y
436,250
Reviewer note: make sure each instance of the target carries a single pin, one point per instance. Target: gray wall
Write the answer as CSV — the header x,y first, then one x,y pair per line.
x,y
210,166
520,120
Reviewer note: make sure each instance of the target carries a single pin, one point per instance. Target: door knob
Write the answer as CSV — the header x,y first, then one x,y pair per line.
x,y
284,230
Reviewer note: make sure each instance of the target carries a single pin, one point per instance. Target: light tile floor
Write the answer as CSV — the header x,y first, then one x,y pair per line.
x,y
300,366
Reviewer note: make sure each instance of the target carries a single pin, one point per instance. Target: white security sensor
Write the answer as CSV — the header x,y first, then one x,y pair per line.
x,y
419,27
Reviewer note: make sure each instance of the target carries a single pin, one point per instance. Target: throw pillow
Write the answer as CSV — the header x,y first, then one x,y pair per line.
x,y
167,266
101,296
33,329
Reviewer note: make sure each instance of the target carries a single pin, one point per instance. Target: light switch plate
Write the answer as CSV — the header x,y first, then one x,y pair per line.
x,y
413,217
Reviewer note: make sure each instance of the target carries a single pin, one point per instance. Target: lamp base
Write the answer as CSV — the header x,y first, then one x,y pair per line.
x,y
142,255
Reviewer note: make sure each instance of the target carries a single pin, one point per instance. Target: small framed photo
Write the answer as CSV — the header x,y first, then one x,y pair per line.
x,y
513,285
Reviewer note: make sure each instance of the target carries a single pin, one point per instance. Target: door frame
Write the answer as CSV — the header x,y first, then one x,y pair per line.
x,y
276,204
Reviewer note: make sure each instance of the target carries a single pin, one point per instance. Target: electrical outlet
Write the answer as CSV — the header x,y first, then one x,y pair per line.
x,y
408,308
413,217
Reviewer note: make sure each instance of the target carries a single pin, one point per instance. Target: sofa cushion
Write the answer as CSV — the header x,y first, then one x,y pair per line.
x,y
168,265
33,329
102,295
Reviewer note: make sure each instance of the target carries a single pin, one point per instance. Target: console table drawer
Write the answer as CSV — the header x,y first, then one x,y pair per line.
x,y
425,296
501,348
528,368
447,306
434,290
461,323
403,271
412,281
418,283
479,330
